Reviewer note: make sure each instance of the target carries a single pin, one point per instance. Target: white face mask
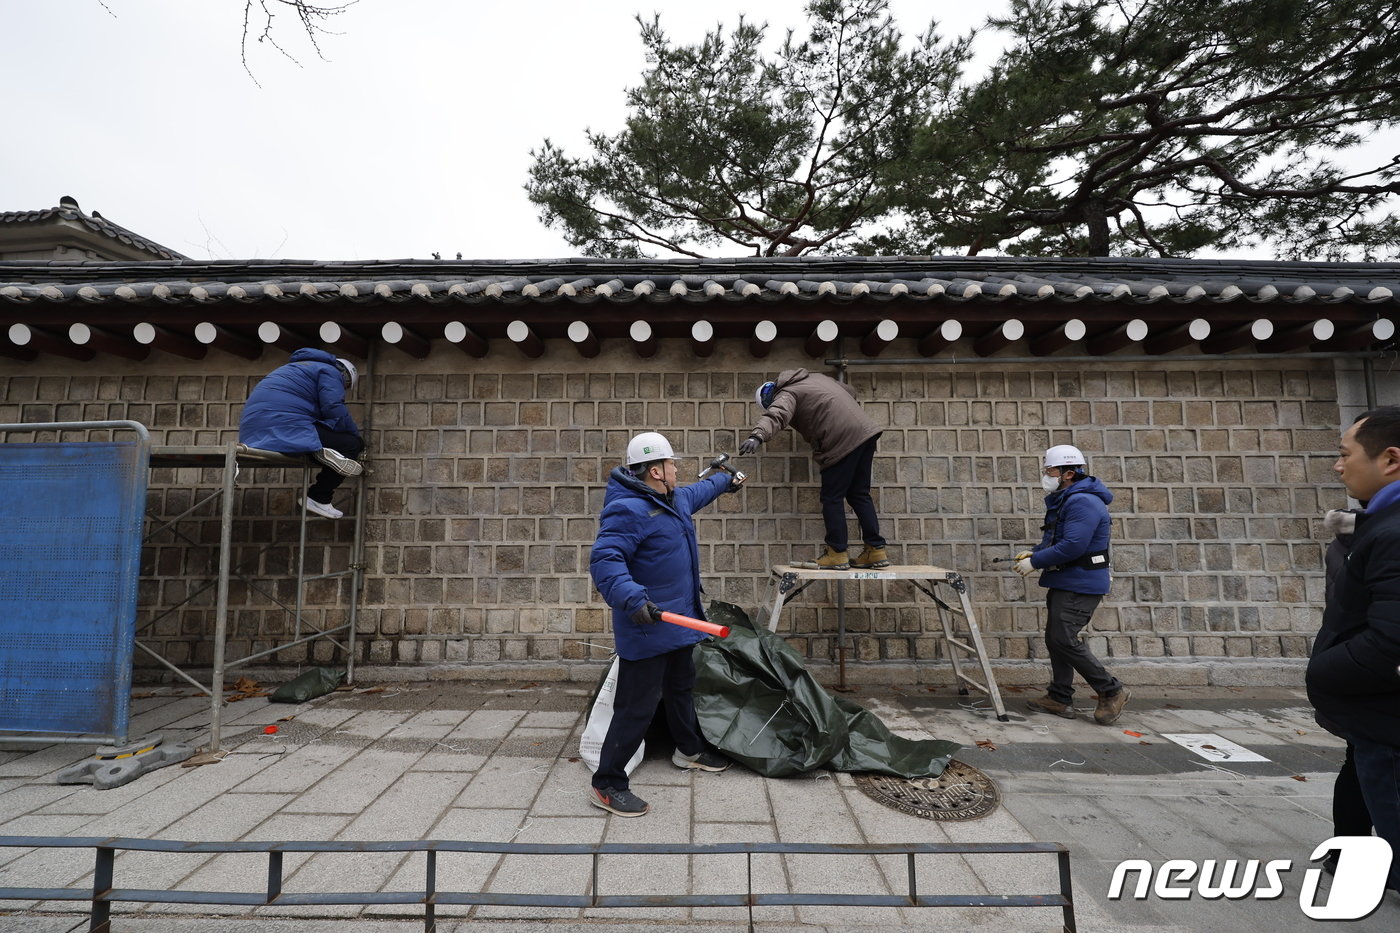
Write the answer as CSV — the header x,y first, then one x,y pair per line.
x,y
1049,483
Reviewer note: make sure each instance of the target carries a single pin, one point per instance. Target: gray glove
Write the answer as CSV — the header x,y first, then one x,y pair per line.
x,y
647,613
1339,522
749,446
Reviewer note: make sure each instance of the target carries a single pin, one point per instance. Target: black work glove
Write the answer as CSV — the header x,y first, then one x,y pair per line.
x,y
647,613
749,446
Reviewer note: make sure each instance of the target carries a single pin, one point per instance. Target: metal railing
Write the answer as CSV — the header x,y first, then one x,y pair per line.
x,y
103,893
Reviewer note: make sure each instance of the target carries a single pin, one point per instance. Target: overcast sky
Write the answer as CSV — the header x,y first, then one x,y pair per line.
x,y
412,137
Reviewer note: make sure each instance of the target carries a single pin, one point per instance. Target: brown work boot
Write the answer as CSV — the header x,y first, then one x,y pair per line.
x,y
872,558
1048,704
1110,708
830,560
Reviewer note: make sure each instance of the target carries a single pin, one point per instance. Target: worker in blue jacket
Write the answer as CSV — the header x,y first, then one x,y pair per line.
x,y
1072,557
299,408
646,561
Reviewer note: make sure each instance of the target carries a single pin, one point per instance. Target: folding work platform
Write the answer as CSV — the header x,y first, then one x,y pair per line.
x,y
96,658
792,580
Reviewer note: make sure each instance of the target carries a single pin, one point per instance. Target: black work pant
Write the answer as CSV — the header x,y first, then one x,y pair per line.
x,y
1378,776
1067,614
1349,814
328,480
641,685
848,480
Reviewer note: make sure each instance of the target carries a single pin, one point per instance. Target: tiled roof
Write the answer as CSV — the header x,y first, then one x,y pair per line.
x,y
68,210
920,279
1049,306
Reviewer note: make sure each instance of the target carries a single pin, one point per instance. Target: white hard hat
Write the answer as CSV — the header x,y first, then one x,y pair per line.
x,y
350,371
1063,455
648,446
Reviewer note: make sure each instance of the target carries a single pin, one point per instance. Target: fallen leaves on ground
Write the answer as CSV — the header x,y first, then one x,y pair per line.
x,y
204,758
245,688
1299,777
987,745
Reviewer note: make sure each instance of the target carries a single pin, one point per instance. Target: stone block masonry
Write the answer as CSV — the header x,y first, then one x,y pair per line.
x,y
488,475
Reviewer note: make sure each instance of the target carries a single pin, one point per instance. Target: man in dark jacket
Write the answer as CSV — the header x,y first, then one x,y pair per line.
x,y
1073,559
646,561
843,439
1349,814
300,408
1352,677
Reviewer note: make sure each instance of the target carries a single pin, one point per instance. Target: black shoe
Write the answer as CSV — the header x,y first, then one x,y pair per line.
x,y
705,761
619,802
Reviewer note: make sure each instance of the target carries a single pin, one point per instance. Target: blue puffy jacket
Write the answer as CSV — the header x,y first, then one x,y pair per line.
x,y
283,409
1076,524
646,550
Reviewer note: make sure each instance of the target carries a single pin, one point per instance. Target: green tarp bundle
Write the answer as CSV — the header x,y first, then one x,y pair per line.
x,y
318,681
759,705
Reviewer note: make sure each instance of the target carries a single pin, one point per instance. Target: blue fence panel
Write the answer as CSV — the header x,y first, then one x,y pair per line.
x,y
70,549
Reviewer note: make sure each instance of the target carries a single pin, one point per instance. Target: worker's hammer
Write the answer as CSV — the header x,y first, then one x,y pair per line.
x,y
722,463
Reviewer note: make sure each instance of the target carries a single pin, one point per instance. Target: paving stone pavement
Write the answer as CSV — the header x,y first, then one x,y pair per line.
x,y
494,762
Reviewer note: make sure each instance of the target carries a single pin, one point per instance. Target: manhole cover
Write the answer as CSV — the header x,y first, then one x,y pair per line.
x,y
961,792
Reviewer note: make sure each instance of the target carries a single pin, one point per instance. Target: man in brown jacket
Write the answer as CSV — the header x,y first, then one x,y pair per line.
x,y
843,439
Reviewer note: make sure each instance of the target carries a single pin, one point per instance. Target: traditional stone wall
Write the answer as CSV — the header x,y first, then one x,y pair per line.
x,y
487,477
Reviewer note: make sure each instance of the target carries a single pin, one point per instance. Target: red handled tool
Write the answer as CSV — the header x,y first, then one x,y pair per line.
x,y
700,625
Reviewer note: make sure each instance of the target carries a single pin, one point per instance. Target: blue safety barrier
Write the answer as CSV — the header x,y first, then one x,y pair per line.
x,y
70,547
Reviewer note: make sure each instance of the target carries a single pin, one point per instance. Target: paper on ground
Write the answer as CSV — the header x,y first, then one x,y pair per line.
x,y
1212,747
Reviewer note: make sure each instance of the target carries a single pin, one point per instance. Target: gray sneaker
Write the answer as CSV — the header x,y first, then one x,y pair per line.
x,y
705,761
339,462
619,802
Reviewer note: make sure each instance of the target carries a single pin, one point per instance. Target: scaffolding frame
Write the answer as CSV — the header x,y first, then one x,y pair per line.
x,y
230,458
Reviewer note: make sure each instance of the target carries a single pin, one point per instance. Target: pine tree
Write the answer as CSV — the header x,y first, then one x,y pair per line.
x,y
728,149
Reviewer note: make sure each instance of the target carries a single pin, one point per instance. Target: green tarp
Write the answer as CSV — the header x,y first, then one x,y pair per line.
x,y
759,705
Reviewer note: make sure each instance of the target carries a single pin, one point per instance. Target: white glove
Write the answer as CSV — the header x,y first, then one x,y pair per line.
x,y
1339,522
1022,556
1023,566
